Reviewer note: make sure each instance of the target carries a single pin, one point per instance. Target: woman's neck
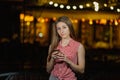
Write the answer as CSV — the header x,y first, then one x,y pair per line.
x,y
65,42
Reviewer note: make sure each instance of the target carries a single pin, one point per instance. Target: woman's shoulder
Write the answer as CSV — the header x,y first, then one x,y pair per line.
x,y
76,43
79,44
81,47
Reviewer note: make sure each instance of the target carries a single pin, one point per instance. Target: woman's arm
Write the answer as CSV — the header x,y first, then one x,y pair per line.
x,y
81,61
50,59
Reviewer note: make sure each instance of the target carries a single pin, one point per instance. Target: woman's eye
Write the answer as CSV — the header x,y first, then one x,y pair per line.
x,y
58,28
64,27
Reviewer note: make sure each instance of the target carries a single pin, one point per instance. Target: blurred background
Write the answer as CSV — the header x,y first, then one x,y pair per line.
x,y
25,31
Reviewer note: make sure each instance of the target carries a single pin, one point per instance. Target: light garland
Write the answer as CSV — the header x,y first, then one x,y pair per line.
x,y
95,6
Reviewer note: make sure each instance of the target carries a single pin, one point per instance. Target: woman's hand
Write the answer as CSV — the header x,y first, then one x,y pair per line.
x,y
62,57
54,54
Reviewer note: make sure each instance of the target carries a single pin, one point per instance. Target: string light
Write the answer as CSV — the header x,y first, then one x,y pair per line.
x,y
51,3
96,6
111,7
61,6
118,10
68,7
105,5
56,4
74,7
81,6
87,5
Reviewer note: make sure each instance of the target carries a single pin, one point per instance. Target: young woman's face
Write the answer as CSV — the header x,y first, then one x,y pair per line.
x,y
63,30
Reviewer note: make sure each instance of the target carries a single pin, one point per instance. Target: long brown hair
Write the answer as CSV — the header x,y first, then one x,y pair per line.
x,y
55,38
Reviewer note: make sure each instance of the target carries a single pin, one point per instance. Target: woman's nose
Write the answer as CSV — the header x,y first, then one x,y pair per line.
x,y
61,30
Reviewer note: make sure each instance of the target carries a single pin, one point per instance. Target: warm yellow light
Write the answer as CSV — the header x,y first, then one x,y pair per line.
x,y
119,20
29,18
103,21
76,21
83,20
54,18
38,19
87,5
42,20
21,16
111,20
116,23
28,23
46,19
90,22
97,21
105,5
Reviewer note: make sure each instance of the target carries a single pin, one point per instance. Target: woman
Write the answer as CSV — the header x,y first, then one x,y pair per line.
x,y
66,56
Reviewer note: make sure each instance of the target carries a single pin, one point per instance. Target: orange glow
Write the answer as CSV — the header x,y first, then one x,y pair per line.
x,y
90,22
21,16
29,18
42,20
28,23
116,23
83,20
38,19
103,21
111,20
46,19
54,18
76,21
119,20
97,21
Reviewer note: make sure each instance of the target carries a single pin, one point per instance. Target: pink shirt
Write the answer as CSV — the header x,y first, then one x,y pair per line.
x,y
62,70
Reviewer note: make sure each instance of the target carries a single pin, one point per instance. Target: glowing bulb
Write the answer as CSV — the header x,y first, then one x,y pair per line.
x,y
67,7
61,6
51,3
